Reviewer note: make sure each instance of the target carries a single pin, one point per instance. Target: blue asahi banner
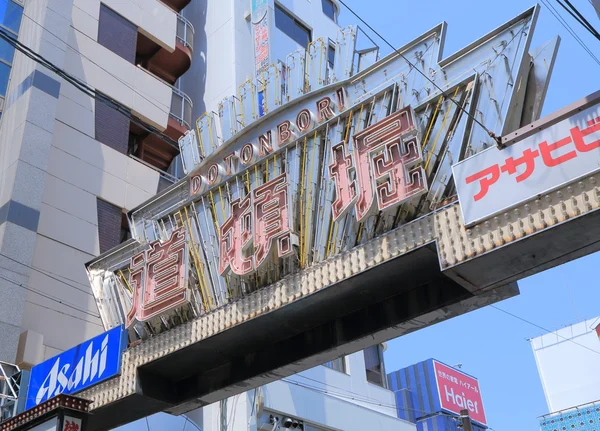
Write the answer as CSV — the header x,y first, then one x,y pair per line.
x,y
76,369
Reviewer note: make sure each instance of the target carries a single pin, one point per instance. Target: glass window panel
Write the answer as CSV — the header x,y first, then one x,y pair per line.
x,y
337,364
374,365
290,26
331,56
7,51
4,74
10,15
329,9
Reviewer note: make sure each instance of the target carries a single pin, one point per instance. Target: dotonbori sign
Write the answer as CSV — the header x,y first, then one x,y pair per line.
x,y
458,391
382,173
307,162
494,180
78,368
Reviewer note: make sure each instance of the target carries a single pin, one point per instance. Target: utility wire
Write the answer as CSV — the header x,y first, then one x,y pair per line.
x,y
572,10
47,274
89,59
543,329
472,117
566,25
50,297
85,88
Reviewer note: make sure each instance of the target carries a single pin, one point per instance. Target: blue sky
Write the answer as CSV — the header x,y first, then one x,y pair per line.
x,y
497,350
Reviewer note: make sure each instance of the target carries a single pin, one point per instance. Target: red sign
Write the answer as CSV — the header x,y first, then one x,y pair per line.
x,y
458,391
158,278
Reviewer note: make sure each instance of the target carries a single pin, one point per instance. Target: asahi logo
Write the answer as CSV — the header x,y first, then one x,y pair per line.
x,y
67,376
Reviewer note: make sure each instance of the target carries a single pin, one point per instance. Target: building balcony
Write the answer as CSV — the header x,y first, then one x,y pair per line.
x,y
154,150
177,5
167,65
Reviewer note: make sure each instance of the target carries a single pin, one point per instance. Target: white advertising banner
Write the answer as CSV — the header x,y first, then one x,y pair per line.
x,y
495,180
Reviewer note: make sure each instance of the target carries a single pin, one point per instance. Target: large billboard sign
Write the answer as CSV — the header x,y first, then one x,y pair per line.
x,y
495,180
458,391
308,162
79,368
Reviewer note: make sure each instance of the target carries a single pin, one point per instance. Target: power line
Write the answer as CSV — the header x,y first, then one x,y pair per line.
x,y
489,132
50,297
47,274
572,10
89,59
543,329
85,88
569,29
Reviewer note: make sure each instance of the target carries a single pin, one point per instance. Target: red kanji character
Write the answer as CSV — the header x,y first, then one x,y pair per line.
x,y
578,135
486,178
398,151
345,189
235,239
158,278
546,149
528,158
271,219
71,426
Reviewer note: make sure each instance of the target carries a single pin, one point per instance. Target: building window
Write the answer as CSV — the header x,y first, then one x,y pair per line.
x,y
10,20
117,34
110,221
292,27
330,56
374,365
329,9
338,364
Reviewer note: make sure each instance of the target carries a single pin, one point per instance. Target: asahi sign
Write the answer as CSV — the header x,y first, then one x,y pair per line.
x,y
494,180
78,368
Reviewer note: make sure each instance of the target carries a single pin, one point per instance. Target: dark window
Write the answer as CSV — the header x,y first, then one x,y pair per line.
x,y
7,51
125,232
292,27
330,56
110,218
338,364
10,15
329,9
117,34
10,21
4,74
112,127
374,365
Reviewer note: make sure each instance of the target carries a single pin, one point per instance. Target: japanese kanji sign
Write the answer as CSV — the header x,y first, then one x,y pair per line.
x,y
495,180
256,221
71,424
384,161
158,278
458,391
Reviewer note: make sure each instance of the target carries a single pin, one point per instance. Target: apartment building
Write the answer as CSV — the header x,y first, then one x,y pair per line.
x,y
72,165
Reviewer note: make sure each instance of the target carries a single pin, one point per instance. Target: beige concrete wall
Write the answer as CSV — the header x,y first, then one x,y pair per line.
x,y
63,182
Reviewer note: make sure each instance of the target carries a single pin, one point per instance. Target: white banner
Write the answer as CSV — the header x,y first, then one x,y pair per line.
x,y
494,180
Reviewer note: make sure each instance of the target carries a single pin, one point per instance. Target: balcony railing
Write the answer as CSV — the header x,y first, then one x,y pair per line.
x,y
185,32
181,108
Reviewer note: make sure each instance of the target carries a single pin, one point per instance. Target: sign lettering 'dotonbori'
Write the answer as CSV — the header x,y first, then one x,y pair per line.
x,y
158,278
572,146
390,174
266,143
256,221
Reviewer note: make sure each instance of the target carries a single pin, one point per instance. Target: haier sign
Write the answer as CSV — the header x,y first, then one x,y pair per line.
x,y
458,391
77,369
